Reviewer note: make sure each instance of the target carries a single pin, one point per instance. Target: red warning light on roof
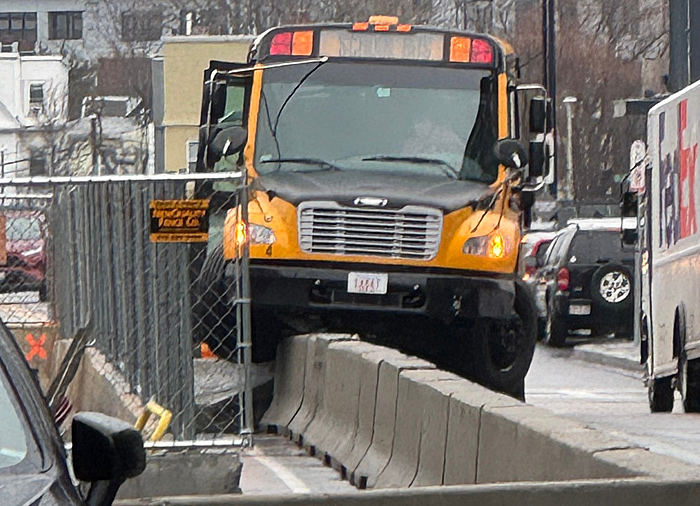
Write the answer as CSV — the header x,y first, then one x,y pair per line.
x,y
299,43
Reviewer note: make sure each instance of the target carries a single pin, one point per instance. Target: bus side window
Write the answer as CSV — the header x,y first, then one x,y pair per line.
x,y
235,102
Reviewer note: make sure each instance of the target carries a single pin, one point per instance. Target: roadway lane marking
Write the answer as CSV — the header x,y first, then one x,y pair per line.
x,y
283,473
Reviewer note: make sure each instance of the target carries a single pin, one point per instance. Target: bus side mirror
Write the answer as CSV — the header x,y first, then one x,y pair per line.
x,y
227,141
537,159
538,115
510,153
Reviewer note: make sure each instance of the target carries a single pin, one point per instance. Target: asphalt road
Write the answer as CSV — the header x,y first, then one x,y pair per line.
x,y
277,466
610,399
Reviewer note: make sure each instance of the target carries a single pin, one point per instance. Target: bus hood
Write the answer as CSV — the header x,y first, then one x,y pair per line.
x,y
398,189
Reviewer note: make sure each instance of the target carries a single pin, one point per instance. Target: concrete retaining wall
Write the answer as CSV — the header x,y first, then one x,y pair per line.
x,y
387,420
188,472
38,343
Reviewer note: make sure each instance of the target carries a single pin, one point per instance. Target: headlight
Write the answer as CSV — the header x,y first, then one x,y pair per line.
x,y
493,246
261,235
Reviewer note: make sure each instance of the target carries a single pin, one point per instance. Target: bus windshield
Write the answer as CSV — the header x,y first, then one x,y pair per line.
x,y
396,117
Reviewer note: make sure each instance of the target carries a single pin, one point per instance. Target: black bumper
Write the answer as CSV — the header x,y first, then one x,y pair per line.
x,y
602,318
444,295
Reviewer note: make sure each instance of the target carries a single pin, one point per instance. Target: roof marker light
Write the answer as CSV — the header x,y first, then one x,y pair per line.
x,y
383,20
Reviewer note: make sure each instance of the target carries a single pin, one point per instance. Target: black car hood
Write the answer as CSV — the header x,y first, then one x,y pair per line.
x,y
399,190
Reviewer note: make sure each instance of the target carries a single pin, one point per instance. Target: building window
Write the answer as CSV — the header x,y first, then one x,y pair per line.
x,y
192,147
36,96
65,25
18,27
142,26
37,164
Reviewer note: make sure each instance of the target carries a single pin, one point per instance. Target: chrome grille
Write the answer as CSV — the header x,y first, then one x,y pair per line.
x,y
412,232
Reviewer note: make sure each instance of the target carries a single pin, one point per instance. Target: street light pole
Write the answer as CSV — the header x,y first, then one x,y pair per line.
x,y
549,14
569,191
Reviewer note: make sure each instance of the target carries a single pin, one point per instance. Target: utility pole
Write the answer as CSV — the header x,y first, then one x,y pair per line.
x,y
550,69
569,183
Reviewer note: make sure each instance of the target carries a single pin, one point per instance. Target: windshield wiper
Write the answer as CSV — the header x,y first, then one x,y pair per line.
x,y
292,93
447,168
322,164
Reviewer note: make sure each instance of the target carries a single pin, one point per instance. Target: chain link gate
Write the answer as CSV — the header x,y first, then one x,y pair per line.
x,y
137,278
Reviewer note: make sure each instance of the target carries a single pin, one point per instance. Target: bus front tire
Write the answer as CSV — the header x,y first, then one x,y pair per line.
x,y
502,351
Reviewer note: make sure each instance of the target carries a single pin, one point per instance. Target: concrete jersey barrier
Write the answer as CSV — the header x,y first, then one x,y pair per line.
x,y
387,420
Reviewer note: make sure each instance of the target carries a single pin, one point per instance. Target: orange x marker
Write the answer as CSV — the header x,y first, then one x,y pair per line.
x,y
37,347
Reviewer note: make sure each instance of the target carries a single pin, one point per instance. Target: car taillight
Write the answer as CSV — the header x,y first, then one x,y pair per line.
x,y
563,279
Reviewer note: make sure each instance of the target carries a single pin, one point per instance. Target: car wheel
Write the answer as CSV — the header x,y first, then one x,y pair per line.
x,y
502,351
690,385
611,285
555,329
660,391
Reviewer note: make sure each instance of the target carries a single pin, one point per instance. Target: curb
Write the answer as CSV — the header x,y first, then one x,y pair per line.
x,y
604,358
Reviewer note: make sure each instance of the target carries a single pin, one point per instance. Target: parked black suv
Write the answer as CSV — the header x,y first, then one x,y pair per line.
x,y
586,281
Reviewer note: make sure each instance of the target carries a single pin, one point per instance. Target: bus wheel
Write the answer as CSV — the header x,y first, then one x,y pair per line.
x,y
690,385
502,352
660,392
214,317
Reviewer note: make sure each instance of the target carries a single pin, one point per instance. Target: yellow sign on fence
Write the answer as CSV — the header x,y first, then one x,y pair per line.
x,y
179,220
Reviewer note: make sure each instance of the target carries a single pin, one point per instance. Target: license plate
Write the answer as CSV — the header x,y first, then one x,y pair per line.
x,y
368,282
579,309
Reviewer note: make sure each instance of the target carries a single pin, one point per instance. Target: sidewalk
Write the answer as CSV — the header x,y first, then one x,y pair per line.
x,y
616,353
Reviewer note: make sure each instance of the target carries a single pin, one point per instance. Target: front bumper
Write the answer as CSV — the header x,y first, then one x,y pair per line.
x,y
601,318
445,294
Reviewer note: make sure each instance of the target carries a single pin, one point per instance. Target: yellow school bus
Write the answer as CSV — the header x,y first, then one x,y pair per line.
x,y
389,186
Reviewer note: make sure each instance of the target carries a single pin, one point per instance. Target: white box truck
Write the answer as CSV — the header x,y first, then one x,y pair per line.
x,y
669,247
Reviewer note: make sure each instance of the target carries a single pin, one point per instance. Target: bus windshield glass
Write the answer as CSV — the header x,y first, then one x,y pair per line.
x,y
405,119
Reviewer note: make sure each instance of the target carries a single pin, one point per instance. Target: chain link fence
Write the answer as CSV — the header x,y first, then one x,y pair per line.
x,y
132,269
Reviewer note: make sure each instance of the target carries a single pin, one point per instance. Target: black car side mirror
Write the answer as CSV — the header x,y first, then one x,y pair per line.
x,y
629,236
106,451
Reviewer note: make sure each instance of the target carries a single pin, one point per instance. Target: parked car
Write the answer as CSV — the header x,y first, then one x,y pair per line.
x,y
33,464
586,281
533,247
24,268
